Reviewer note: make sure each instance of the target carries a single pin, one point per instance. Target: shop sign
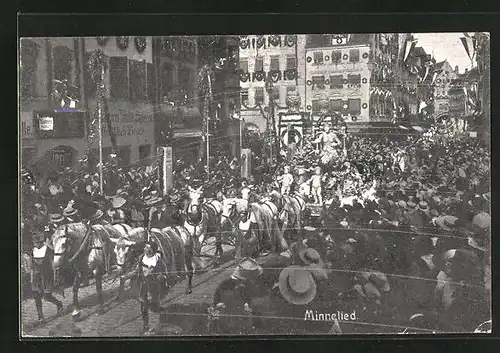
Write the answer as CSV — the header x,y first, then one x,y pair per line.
x,y
128,125
46,123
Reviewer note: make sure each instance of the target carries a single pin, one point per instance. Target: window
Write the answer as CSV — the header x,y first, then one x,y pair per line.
x,y
150,84
244,96
318,82
259,64
275,63
318,58
259,95
185,82
354,55
244,65
316,106
354,79
336,56
63,62
291,63
167,79
144,151
336,82
336,105
118,77
137,80
29,52
354,106
275,94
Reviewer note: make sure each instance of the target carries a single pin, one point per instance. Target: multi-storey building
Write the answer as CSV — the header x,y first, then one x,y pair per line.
x,y
277,58
54,133
338,80
442,82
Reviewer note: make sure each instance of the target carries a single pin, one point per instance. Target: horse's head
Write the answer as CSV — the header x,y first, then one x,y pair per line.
x,y
62,242
122,249
194,199
228,211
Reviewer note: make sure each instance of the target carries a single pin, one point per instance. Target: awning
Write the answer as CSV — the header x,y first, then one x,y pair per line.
x,y
187,133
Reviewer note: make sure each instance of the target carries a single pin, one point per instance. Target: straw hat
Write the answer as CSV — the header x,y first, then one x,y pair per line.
x,y
118,202
378,279
56,218
248,269
411,204
445,222
297,285
69,211
423,206
310,258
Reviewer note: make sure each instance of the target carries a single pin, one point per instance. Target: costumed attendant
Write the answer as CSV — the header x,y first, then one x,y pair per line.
x,y
316,186
150,275
42,275
286,181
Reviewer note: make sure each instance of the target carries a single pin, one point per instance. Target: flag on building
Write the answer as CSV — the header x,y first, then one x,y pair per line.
x,y
410,44
421,106
469,46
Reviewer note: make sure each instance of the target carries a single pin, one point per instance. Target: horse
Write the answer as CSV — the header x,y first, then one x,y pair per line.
x,y
203,219
263,214
87,249
290,211
175,242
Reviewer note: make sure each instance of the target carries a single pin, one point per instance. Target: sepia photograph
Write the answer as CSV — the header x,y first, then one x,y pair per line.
x,y
259,184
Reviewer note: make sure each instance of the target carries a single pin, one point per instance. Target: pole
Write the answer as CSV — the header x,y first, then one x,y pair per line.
x,y
208,124
241,136
164,171
100,133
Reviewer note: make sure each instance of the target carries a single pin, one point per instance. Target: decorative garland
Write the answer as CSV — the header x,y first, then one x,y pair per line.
x,y
364,105
275,75
345,56
290,41
259,76
364,80
309,59
140,44
327,58
261,42
244,76
102,40
244,43
275,40
290,74
327,82
309,82
365,55
122,42
96,64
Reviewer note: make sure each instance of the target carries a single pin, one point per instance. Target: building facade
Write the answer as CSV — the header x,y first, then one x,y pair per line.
x,y
277,58
129,79
442,82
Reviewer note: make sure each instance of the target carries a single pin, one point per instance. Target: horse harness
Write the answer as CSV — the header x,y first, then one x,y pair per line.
x,y
85,243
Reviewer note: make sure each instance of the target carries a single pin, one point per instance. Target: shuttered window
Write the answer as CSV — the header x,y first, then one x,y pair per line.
x,y
259,64
259,95
354,79
318,82
336,105
316,106
244,65
137,80
354,55
291,63
336,82
275,63
119,77
318,58
336,56
354,106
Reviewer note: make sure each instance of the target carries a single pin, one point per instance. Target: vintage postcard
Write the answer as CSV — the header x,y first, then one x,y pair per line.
x,y
277,184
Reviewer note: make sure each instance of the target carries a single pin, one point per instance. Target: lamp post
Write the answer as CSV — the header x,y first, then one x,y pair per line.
x,y
269,89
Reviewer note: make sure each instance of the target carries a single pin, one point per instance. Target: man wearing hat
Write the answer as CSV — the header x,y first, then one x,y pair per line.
x,y
117,214
297,285
42,275
71,214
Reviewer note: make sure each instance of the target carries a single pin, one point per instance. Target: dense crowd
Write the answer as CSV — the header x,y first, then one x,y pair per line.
x,y
437,189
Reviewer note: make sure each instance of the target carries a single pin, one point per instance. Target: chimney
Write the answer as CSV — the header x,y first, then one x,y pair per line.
x,y
456,69
466,70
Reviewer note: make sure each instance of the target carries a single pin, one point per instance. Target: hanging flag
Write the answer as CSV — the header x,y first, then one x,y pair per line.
x,y
72,104
410,44
427,69
63,103
435,75
468,44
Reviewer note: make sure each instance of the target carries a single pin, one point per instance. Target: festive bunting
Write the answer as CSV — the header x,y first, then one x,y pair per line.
x,y
410,44
468,44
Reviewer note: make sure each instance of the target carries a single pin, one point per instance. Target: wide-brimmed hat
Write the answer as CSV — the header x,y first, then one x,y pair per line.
x,y
411,204
118,201
297,285
248,269
423,206
378,279
56,218
69,211
153,201
445,222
